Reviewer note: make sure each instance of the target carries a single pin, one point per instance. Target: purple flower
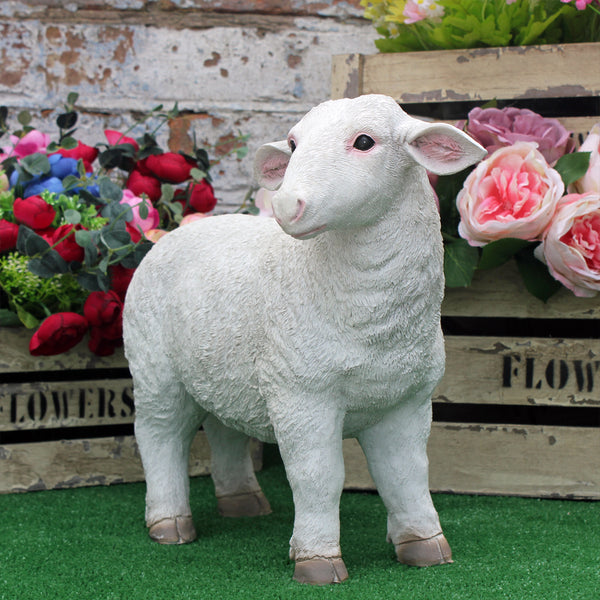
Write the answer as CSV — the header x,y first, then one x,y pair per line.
x,y
495,128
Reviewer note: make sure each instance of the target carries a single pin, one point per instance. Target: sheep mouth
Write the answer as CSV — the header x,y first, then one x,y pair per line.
x,y
310,233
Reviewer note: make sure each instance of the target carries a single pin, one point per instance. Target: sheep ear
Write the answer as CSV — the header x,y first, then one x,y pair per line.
x,y
443,149
270,162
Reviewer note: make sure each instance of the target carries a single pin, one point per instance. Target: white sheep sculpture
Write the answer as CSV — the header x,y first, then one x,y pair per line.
x,y
320,324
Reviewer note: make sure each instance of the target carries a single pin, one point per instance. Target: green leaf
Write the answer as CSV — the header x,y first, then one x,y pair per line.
x,y
36,164
84,238
48,265
24,117
166,193
143,210
72,216
497,253
572,167
66,120
27,318
460,263
132,260
8,318
30,243
197,174
68,143
72,98
109,190
535,274
115,239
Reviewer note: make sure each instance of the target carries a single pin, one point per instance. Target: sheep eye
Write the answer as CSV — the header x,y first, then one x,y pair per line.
x,y
292,145
364,143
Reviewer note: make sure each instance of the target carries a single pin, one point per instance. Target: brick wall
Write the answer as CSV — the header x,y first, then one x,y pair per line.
x,y
249,66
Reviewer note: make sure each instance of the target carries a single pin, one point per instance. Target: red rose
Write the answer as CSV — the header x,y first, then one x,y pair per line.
x,y
8,235
120,278
140,184
103,309
34,212
100,345
115,138
69,249
169,167
134,233
58,333
202,197
87,154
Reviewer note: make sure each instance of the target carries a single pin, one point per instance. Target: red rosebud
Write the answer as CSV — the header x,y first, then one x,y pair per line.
x,y
8,235
140,184
116,138
34,212
58,333
101,345
69,249
87,154
120,278
103,309
169,167
202,197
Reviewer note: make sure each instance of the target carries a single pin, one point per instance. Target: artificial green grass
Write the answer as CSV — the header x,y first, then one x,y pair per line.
x,y
91,543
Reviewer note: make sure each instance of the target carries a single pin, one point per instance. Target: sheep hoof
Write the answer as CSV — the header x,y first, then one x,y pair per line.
x,y
251,504
173,530
320,571
425,553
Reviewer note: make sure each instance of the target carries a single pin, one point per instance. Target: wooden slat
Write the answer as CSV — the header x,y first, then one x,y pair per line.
x,y
521,371
42,404
523,460
501,293
346,76
15,356
78,463
553,71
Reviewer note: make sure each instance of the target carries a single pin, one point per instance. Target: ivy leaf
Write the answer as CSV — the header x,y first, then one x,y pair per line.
x,y
115,239
132,260
535,274
30,243
66,120
501,251
48,265
460,263
109,190
84,238
572,167
72,216
35,164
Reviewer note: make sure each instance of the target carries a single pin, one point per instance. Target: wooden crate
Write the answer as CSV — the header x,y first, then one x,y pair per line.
x,y
67,420
518,409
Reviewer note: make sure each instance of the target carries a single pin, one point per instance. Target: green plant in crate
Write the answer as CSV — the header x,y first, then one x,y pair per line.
x,y
76,220
412,25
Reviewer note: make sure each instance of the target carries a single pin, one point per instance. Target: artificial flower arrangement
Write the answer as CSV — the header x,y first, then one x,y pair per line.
x,y
76,220
532,199
411,25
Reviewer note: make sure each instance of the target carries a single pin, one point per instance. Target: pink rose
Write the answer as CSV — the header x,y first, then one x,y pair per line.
x,y
590,182
32,142
513,193
116,138
571,245
151,221
191,217
153,235
495,128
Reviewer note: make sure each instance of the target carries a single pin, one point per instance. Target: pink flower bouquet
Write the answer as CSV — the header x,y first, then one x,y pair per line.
x,y
512,204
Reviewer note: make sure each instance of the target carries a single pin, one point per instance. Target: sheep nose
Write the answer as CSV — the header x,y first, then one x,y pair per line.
x,y
300,206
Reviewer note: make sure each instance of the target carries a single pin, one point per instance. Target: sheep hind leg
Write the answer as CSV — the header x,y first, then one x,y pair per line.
x,y
232,470
164,436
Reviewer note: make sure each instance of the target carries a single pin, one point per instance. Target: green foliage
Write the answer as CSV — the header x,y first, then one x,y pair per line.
x,y
31,297
482,23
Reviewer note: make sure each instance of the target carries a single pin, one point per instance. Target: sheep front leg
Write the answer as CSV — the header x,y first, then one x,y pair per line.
x,y
396,451
164,438
310,442
237,490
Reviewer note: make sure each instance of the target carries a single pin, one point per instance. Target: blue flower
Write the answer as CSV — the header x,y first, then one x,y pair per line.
x,y
50,184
